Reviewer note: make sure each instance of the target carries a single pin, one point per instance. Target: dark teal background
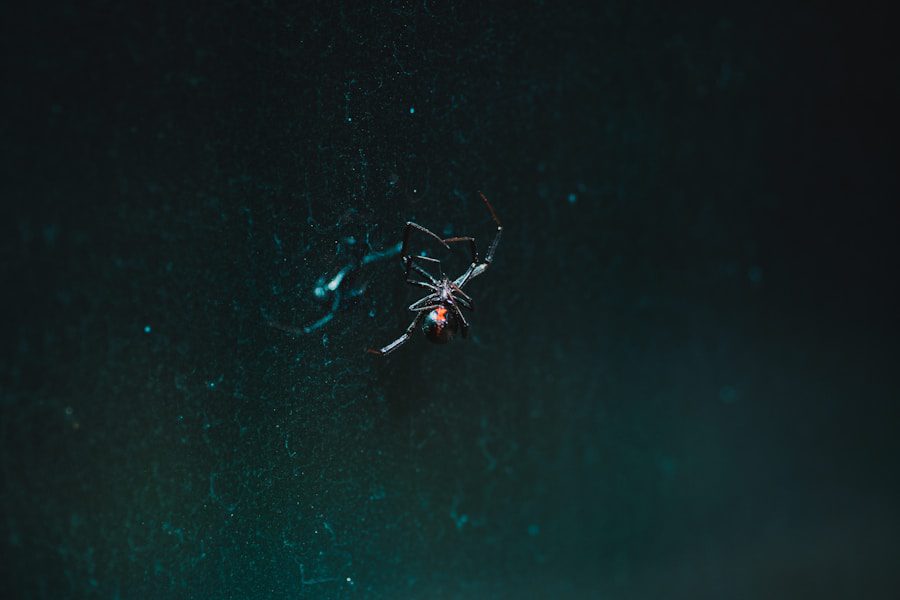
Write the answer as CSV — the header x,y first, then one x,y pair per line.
x,y
681,376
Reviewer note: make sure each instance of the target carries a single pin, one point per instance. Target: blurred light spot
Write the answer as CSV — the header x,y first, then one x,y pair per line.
x,y
573,197
147,329
50,233
755,274
533,530
667,466
728,394
412,110
724,75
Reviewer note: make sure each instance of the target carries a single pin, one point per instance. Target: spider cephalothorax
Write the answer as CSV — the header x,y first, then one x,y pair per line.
x,y
441,309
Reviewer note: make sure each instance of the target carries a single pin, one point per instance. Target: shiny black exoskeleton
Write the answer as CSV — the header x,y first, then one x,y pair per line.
x,y
440,325
440,312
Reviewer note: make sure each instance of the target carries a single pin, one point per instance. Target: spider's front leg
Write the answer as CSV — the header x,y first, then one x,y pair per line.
x,y
477,268
493,247
408,230
465,238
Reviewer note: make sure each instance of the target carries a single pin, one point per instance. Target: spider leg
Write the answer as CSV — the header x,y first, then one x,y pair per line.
x,y
466,299
408,229
400,340
462,319
410,265
463,302
477,268
424,309
421,302
427,259
423,284
493,247
471,240
465,277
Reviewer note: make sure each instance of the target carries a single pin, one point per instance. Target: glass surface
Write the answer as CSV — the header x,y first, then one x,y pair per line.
x,y
679,380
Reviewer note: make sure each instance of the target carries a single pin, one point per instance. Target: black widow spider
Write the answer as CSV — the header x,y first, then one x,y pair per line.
x,y
441,309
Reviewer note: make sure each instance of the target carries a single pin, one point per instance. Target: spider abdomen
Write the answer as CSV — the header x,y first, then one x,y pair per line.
x,y
440,325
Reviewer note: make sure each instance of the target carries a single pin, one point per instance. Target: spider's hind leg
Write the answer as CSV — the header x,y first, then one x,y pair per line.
x,y
463,324
400,340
